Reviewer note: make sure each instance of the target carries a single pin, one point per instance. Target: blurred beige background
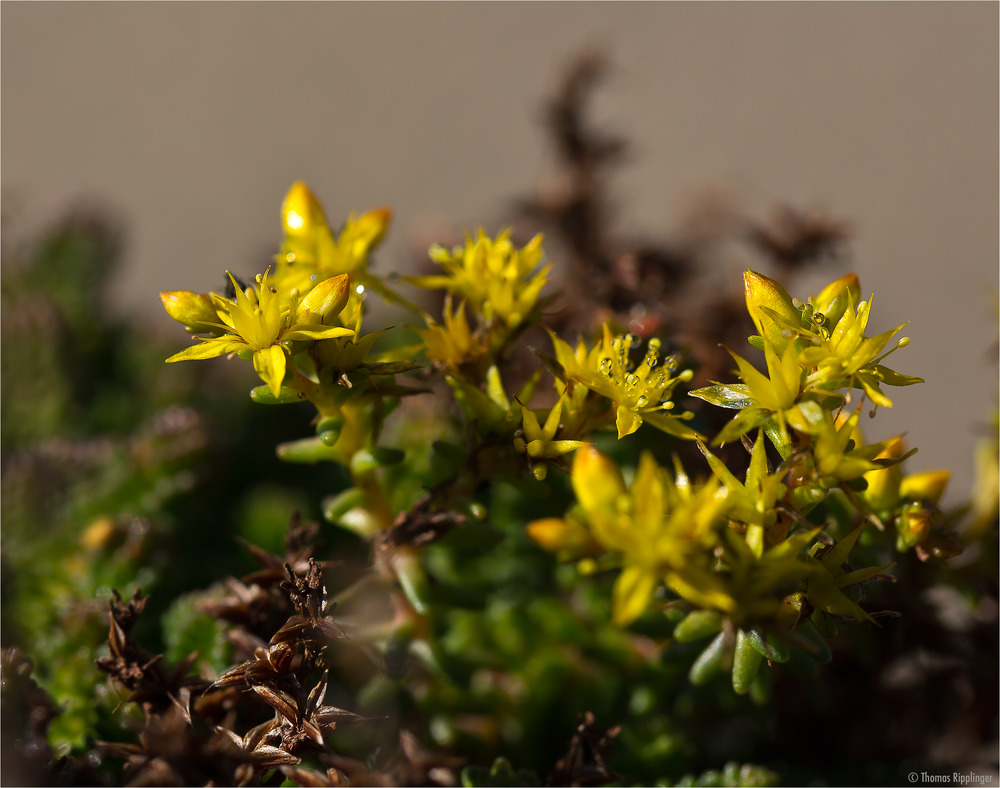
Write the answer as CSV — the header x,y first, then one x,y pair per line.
x,y
192,119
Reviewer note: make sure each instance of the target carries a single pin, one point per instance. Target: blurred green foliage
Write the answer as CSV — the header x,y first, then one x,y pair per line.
x,y
473,656
122,473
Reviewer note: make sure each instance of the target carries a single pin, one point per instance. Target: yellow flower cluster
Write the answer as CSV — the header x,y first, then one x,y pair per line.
x,y
641,392
498,281
313,296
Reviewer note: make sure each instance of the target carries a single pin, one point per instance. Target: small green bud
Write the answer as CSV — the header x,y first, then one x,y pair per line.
x,y
912,526
263,395
329,429
367,460
336,506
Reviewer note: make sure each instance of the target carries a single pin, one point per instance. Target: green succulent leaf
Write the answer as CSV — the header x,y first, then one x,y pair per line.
x,y
747,660
709,662
698,624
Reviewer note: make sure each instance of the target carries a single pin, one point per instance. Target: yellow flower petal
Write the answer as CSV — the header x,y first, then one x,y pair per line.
x,y
208,348
627,421
633,590
270,365
597,481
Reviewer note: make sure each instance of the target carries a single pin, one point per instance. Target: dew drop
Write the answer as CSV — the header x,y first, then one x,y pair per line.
x,y
631,379
642,402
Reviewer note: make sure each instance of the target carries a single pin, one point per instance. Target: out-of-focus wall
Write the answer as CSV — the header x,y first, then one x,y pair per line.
x,y
192,119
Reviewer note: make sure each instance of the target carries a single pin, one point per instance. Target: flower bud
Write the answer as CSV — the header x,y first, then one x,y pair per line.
x,y
927,486
832,299
372,226
301,212
882,493
98,534
194,310
563,536
324,302
763,292
912,526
